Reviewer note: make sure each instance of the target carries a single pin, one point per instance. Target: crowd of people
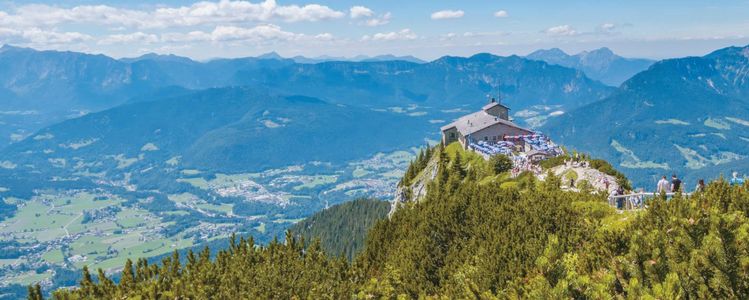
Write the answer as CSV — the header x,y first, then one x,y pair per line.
x,y
521,163
676,185
664,186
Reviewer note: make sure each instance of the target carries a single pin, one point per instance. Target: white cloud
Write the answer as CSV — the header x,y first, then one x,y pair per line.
x,y
448,36
382,20
447,14
483,34
40,37
501,14
360,12
309,12
260,33
192,36
199,13
324,37
7,32
44,37
561,30
368,16
607,26
135,37
405,34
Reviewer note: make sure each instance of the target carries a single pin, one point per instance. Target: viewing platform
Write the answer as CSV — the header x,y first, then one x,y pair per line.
x,y
635,201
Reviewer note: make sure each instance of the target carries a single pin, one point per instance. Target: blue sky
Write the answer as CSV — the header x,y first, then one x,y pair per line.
x,y
426,29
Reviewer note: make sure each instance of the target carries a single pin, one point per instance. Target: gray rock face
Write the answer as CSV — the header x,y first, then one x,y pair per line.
x,y
418,188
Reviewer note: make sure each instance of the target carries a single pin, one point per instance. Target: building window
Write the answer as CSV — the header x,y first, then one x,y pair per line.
x,y
452,135
486,138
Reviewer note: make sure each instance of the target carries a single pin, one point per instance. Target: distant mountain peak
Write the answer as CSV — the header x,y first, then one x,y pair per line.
x,y
735,50
271,55
600,64
552,51
549,52
602,51
599,58
8,47
391,57
158,57
358,58
483,56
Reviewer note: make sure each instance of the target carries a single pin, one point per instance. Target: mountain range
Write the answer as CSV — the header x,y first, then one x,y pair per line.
x,y
219,130
600,64
359,58
40,88
688,116
192,150
137,114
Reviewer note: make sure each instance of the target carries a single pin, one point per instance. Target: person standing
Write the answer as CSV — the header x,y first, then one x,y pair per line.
x,y
700,186
620,199
675,184
639,199
663,185
614,198
735,180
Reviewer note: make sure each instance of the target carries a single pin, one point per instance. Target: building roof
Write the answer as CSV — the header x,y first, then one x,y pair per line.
x,y
479,120
493,104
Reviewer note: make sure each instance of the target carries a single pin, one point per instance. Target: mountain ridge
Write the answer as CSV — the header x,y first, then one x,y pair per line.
x,y
601,64
695,106
56,85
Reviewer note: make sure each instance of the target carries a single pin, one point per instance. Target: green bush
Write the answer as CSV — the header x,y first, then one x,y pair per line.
x,y
500,163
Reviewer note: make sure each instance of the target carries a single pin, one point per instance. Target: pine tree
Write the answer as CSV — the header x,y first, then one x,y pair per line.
x,y
35,292
127,281
500,163
458,169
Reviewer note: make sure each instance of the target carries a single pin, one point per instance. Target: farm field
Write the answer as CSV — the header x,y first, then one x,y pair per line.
x,y
68,229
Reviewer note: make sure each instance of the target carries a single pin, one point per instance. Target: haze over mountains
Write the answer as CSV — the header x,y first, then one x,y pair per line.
x,y
44,87
359,58
600,64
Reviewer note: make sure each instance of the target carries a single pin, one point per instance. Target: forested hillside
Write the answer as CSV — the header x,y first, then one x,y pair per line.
x,y
470,237
695,109
342,228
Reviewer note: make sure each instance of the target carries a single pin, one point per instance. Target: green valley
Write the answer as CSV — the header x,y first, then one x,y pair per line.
x,y
465,239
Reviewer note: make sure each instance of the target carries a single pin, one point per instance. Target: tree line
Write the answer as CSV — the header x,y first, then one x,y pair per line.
x,y
472,238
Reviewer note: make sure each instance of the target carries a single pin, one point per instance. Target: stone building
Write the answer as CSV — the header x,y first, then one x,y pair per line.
x,y
489,124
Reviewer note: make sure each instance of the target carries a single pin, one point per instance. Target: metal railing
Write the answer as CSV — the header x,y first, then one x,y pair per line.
x,y
636,200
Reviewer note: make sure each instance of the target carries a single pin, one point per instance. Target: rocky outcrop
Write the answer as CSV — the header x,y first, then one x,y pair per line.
x,y
417,189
